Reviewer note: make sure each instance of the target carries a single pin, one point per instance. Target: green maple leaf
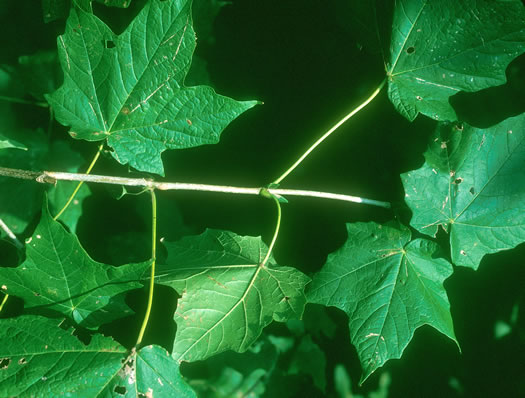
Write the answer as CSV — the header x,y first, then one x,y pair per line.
x,y
389,286
58,275
473,184
439,48
128,89
47,361
227,296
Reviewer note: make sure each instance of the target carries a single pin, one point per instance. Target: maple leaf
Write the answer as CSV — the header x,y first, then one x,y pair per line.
x,y
128,89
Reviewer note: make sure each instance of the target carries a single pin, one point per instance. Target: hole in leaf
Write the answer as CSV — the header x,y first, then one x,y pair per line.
x,y
121,390
109,43
462,252
22,361
458,180
459,127
472,191
419,98
4,363
410,50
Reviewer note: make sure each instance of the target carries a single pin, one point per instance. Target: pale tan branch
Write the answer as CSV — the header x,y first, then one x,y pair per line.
x,y
52,177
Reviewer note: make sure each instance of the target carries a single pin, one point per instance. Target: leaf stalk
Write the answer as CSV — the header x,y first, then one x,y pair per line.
x,y
100,147
329,132
153,261
277,227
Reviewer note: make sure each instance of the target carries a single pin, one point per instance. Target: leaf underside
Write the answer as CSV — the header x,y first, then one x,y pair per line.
x,y
227,297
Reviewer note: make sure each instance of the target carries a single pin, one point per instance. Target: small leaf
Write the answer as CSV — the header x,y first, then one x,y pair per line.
x,y
472,184
6,143
388,286
439,48
129,88
58,275
227,296
150,372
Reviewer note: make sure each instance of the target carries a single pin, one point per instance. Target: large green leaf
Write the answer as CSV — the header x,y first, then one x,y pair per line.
x,y
47,361
473,184
227,296
58,275
129,89
389,286
439,48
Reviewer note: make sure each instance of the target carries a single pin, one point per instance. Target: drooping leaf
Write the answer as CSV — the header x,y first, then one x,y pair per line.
x,y
59,275
6,143
227,296
472,184
389,286
48,361
129,88
439,48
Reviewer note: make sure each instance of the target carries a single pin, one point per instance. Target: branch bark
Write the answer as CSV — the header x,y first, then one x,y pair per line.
x,y
52,177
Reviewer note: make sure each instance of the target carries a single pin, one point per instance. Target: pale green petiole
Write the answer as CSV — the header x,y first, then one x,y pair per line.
x,y
325,135
264,192
153,261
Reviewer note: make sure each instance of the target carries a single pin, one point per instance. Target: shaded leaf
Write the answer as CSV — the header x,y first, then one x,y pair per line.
x,y
227,297
439,48
40,73
129,88
388,286
58,9
309,359
6,143
48,361
20,200
473,185
58,275
232,374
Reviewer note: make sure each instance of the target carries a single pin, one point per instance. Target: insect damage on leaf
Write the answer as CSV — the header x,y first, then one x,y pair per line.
x,y
129,89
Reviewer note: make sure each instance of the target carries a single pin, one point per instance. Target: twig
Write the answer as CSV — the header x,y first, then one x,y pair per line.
x,y
52,177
